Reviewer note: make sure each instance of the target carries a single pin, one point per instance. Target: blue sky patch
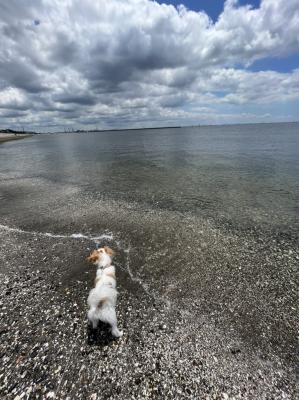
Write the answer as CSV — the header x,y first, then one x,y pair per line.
x,y
212,7
286,64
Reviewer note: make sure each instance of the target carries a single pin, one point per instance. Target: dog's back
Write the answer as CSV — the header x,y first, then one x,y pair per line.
x,y
102,295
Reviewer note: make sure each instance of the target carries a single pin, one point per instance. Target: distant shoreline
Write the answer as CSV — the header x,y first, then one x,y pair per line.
x,y
170,127
5,137
13,132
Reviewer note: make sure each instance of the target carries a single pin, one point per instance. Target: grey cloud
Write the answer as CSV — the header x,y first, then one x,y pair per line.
x,y
12,114
16,73
64,50
173,101
18,10
84,100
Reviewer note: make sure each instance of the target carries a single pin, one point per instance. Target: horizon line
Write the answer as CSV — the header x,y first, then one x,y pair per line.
x,y
71,130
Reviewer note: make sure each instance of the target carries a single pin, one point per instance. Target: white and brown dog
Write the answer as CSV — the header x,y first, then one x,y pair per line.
x,y
102,298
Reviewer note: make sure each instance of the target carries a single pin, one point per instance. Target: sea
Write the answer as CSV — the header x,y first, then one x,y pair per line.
x,y
239,174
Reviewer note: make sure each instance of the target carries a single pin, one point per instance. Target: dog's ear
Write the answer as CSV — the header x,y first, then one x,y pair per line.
x,y
109,251
94,256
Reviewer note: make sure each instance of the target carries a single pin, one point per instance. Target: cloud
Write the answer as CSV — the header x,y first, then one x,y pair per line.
x,y
134,62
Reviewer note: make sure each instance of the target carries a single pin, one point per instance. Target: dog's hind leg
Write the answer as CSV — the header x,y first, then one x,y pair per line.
x,y
116,332
108,315
92,318
114,329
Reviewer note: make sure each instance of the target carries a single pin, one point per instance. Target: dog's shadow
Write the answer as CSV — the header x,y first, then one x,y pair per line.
x,y
101,336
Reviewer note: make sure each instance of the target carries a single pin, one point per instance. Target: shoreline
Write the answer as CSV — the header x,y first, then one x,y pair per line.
x,y
118,129
5,137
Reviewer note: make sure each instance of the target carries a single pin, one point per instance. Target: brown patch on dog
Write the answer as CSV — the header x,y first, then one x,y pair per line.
x,y
102,302
94,257
109,251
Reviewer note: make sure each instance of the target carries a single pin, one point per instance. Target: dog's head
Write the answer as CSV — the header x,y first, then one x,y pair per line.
x,y
101,256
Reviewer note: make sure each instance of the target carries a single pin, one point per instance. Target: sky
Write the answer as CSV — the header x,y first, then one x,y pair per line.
x,y
105,64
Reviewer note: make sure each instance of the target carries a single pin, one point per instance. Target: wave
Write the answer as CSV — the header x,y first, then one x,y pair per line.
x,y
106,235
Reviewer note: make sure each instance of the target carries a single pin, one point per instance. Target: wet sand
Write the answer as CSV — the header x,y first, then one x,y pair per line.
x,y
5,137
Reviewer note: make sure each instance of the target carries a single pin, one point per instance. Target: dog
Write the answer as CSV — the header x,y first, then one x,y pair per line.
x,y
102,298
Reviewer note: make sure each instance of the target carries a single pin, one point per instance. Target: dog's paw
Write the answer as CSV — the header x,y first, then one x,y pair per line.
x,y
117,333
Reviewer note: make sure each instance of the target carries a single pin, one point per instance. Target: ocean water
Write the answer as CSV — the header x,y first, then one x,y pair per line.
x,y
203,218
243,174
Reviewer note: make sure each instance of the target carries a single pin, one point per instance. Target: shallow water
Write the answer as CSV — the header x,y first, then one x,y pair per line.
x,y
243,173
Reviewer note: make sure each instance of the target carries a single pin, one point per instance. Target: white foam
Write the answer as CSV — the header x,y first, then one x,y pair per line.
x,y
47,234
78,236
107,236
7,228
